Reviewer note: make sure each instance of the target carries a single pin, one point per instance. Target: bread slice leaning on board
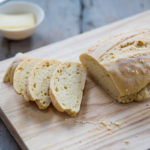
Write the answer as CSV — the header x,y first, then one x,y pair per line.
x,y
121,65
21,75
66,87
9,74
39,81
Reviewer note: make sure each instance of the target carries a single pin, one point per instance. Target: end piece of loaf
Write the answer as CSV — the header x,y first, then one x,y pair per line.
x,y
66,87
39,81
21,74
121,65
8,76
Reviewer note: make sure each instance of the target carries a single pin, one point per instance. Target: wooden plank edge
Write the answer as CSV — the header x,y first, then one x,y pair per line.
x,y
12,130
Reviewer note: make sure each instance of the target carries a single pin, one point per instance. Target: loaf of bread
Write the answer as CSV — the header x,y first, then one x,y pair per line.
x,y
66,87
21,74
39,81
8,77
121,65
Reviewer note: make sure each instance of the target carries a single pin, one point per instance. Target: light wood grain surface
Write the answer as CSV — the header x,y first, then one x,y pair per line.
x,y
64,19
35,129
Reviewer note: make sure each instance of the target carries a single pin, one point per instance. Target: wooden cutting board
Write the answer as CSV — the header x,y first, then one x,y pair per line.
x,y
44,130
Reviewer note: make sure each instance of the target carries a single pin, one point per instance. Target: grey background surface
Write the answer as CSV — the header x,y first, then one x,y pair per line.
x,y
66,18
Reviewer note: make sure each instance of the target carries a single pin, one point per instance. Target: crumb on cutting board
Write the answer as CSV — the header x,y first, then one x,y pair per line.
x,y
110,125
109,128
103,123
126,141
117,124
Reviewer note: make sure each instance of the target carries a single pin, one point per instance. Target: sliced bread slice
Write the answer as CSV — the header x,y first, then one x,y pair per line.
x,y
8,76
39,80
66,87
21,75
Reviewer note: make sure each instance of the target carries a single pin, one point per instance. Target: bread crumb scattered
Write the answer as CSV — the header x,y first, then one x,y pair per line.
x,y
109,128
126,141
117,124
103,123
108,125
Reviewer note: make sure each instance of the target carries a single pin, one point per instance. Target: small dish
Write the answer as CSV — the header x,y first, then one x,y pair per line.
x,y
17,7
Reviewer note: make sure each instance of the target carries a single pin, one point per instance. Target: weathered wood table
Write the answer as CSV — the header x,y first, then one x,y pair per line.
x,y
64,19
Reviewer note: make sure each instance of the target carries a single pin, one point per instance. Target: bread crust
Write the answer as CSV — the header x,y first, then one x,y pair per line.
x,y
8,76
129,71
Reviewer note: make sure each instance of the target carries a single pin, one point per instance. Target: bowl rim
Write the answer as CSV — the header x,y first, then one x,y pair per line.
x,y
41,11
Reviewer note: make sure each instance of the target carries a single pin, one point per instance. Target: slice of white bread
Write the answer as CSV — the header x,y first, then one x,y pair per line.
x,y
121,65
39,81
8,76
21,74
66,87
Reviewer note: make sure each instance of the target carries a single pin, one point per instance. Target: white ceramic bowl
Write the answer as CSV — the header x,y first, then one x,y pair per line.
x,y
21,7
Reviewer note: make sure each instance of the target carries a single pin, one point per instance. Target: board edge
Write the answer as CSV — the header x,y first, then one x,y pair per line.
x,y
12,130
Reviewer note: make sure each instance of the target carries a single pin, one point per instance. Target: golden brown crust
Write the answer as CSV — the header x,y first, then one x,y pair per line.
x,y
126,59
111,42
130,75
8,77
